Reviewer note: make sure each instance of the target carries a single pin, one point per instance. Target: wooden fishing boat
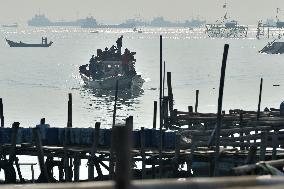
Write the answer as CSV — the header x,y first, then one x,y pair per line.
x,y
21,44
111,65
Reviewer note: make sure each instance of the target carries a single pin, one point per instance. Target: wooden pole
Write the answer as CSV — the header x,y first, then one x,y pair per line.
x,y
122,145
259,98
263,145
67,168
69,121
170,92
275,144
93,151
142,140
1,113
111,160
164,73
77,163
161,105
115,104
177,154
37,138
219,113
12,152
190,109
155,115
161,82
196,100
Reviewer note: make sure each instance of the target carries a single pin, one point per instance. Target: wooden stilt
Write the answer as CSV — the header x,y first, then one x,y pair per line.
x,y
196,100
155,115
69,122
219,113
37,138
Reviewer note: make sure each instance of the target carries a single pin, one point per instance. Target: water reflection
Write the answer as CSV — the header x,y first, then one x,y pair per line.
x,y
101,102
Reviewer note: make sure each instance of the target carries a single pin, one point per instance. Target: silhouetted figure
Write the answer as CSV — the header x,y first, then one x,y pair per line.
x,y
119,44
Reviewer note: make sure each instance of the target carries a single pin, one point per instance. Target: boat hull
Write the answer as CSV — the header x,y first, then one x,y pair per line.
x,y
125,82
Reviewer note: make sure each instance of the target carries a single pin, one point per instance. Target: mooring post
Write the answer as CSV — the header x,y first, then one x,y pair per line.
x,y
177,154
275,144
122,145
190,109
12,153
191,155
164,75
77,163
1,113
166,111
161,105
219,113
161,153
155,115
241,127
96,134
111,158
196,100
66,161
19,170
69,121
40,154
170,93
33,173
259,98
263,145
142,141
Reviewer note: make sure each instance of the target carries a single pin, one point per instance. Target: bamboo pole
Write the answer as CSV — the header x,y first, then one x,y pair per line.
x,y
69,122
196,100
1,113
111,157
161,105
219,113
259,98
155,115
37,137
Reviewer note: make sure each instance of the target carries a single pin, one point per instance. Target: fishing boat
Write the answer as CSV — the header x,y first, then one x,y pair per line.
x,y
109,66
21,44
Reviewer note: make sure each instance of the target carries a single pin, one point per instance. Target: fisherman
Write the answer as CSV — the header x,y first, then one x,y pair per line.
x,y
105,53
119,44
112,50
125,61
92,66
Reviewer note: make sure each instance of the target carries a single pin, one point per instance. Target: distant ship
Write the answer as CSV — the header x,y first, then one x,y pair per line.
x,y
89,22
39,20
15,25
161,22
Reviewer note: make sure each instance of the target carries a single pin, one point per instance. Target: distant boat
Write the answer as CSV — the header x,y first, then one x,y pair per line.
x,y
94,32
140,31
15,25
21,44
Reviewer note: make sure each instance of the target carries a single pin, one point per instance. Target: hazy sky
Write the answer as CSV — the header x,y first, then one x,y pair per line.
x,y
115,11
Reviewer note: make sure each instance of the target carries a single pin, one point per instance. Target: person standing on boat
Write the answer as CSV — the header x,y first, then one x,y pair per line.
x,y
119,44
125,61
92,66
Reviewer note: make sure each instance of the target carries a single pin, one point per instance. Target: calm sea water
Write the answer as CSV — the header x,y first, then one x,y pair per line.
x,y
35,82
